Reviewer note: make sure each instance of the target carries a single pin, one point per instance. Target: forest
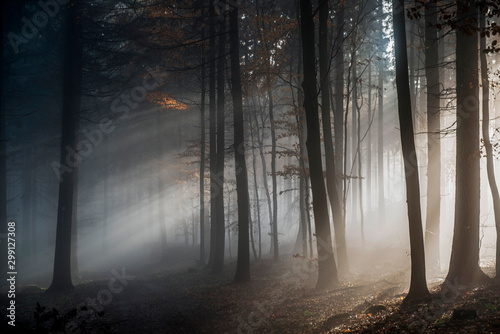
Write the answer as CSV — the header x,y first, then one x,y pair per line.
x,y
250,166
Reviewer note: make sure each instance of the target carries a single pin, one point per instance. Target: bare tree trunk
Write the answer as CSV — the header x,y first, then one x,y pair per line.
x,y
433,141
490,168
220,230
161,186
327,269
275,247
256,190
214,185
418,284
360,184
243,262
72,79
380,150
369,145
464,262
331,171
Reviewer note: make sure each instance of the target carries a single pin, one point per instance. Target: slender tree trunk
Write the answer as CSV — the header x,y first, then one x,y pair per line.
x,y
105,197
202,154
214,185
161,186
380,120
418,285
369,145
331,172
338,114
490,167
354,138
219,198
327,269
243,262
433,141
464,262
360,184
72,79
256,188
260,141
275,247
74,223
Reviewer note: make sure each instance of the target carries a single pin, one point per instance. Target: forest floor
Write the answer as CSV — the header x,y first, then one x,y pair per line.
x,y
280,299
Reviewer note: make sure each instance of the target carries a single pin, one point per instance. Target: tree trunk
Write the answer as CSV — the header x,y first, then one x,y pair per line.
x,y
219,197
214,186
490,168
327,269
418,285
380,149
369,145
433,141
360,184
275,247
464,262
202,152
243,262
331,172
256,188
161,186
72,77
352,172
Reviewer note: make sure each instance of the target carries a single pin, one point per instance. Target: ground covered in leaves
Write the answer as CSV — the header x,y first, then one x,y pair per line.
x,y
279,299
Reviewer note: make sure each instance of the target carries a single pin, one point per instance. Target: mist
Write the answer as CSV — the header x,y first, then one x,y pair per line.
x,y
248,166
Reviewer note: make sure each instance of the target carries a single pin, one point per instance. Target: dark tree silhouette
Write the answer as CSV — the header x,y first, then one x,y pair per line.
x,y
464,262
331,170
418,285
490,167
72,78
433,140
243,262
327,269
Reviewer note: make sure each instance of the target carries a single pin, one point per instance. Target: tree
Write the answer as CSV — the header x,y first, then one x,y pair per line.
x,y
418,285
214,185
243,262
72,77
464,263
433,140
380,148
202,154
490,168
327,269
331,170
220,229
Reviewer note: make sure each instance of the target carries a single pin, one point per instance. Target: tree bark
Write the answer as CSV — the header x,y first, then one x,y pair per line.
x,y
464,263
214,186
72,80
331,171
275,247
202,154
380,121
243,262
433,141
219,197
490,167
327,269
418,285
